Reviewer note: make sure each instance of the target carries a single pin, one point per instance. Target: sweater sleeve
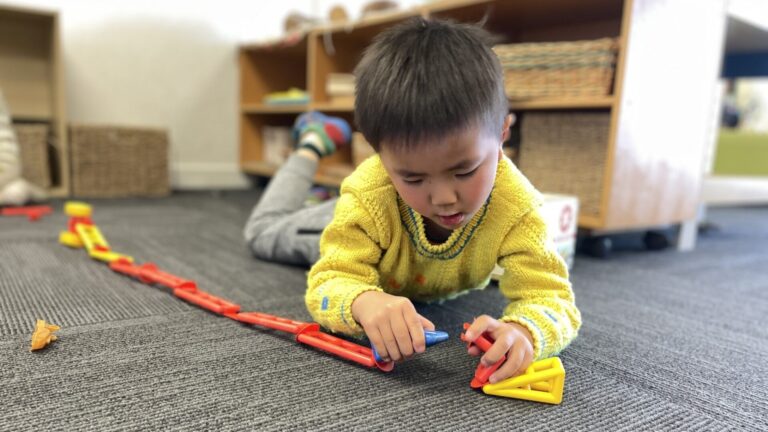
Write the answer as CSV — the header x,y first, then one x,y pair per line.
x,y
349,254
536,283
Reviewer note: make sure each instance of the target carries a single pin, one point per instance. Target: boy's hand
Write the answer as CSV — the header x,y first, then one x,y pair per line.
x,y
391,323
511,339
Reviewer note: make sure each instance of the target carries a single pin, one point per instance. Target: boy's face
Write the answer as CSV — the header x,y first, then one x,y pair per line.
x,y
448,181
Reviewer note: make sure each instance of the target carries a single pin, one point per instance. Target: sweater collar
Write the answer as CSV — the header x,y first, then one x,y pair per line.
x,y
452,246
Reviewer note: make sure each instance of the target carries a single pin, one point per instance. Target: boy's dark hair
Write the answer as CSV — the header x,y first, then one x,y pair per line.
x,y
422,80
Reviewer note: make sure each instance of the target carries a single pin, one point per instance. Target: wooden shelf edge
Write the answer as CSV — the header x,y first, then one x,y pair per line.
x,y
375,19
325,176
590,222
274,109
29,10
563,103
606,102
449,5
333,107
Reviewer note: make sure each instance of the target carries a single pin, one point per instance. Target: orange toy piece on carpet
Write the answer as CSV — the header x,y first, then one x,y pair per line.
x,y
43,335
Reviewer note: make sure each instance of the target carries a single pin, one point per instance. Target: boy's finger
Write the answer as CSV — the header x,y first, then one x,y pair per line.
x,y
480,325
510,367
474,351
426,324
527,360
378,342
390,342
402,335
416,330
497,351
506,370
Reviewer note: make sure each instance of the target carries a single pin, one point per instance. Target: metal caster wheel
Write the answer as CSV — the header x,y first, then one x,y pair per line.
x,y
598,247
655,241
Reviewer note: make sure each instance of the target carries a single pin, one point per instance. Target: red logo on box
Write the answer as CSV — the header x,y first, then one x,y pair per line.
x,y
566,218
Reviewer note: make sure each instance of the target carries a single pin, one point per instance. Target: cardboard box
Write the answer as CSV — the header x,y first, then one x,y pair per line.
x,y
561,214
277,144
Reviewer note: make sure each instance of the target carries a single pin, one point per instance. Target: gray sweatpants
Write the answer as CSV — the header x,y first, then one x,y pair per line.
x,y
281,228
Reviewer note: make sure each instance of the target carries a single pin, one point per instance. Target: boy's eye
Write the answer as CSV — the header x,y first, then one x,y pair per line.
x,y
467,174
412,181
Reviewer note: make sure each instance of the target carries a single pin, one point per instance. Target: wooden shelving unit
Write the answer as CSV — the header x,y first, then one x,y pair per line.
x,y
32,80
627,167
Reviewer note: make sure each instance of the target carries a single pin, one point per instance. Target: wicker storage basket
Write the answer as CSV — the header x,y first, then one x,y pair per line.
x,y
33,149
558,69
565,152
118,162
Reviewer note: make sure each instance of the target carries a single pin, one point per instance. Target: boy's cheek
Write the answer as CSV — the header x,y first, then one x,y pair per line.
x,y
415,200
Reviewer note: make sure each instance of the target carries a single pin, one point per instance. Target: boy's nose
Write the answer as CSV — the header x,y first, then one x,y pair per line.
x,y
443,196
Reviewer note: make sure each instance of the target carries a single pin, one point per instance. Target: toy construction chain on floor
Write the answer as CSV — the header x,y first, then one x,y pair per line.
x,y
542,382
32,213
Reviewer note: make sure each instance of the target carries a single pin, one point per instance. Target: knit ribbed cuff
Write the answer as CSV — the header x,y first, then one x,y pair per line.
x,y
347,319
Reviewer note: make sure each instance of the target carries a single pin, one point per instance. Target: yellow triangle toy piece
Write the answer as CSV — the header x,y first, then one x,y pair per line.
x,y
92,238
70,239
43,335
542,382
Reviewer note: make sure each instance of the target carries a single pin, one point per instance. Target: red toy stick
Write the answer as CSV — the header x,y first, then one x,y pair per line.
x,y
207,301
125,267
482,373
306,333
310,334
32,213
149,273
269,321
340,347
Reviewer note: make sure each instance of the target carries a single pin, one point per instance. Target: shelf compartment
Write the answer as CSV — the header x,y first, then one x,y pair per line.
x,y
566,152
32,80
269,68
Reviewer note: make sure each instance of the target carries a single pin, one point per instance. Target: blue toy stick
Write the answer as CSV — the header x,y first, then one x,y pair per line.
x,y
431,337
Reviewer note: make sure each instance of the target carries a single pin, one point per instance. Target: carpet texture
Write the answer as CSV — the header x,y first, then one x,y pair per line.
x,y
670,341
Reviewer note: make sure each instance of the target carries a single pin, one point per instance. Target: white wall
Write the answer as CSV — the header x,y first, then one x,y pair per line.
x,y
172,65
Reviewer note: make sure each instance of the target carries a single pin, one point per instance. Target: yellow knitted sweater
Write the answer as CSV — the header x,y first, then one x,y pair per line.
x,y
376,242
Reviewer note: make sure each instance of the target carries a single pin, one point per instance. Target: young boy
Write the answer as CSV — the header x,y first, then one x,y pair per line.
x,y
431,214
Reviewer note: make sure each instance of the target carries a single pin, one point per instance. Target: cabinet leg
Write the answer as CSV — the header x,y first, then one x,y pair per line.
x,y
689,230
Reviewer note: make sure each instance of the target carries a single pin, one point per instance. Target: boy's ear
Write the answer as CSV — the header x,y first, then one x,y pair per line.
x,y
508,122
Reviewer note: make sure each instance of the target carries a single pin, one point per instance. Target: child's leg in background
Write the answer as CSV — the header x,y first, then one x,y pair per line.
x,y
280,227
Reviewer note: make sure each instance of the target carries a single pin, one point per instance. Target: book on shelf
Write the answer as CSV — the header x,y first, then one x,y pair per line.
x,y
340,84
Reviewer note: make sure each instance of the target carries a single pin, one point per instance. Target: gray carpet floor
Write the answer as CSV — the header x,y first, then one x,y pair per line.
x,y
670,341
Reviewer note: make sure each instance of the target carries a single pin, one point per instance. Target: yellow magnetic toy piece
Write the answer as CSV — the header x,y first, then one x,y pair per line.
x,y
70,239
108,256
43,335
542,382
77,209
92,238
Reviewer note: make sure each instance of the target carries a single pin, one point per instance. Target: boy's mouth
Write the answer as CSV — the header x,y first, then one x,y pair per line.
x,y
452,220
